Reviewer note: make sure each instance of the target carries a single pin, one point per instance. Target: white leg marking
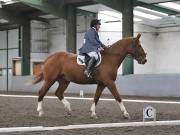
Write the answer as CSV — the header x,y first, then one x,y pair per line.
x,y
93,110
67,105
123,109
41,113
40,109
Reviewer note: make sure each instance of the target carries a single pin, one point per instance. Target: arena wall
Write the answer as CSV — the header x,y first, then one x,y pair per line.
x,y
167,50
155,85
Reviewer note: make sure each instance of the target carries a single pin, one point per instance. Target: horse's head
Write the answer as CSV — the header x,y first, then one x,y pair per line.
x,y
137,51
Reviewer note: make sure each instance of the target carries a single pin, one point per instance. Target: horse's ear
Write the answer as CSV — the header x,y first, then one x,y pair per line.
x,y
138,36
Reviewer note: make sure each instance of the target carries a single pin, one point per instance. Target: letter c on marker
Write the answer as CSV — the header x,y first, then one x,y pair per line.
x,y
149,112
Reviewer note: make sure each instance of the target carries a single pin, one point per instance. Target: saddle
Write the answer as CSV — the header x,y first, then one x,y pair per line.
x,y
84,59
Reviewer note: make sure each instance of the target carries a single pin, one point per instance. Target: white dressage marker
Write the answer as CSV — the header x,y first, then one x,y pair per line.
x,y
103,99
89,126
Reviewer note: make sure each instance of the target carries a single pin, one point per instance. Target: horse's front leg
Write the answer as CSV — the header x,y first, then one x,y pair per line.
x,y
112,87
98,93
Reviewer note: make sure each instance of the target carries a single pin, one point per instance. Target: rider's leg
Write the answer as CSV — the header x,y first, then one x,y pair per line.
x,y
91,64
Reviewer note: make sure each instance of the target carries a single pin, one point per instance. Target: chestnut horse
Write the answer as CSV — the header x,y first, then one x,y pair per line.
x,y
61,67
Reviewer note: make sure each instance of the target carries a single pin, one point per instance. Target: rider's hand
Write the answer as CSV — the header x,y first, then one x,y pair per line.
x,y
108,46
101,49
103,46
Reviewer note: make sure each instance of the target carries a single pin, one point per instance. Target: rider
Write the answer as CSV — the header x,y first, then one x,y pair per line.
x,y
91,46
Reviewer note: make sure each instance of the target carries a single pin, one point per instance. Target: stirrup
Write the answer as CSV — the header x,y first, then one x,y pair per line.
x,y
87,74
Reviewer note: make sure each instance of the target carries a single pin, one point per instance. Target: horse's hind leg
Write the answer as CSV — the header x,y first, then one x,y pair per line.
x,y
97,95
42,93
112,87
63,84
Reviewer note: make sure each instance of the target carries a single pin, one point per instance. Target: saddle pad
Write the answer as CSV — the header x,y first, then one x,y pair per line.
x,y
81,60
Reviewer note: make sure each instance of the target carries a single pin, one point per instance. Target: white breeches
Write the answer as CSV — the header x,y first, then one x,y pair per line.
x,y
93,54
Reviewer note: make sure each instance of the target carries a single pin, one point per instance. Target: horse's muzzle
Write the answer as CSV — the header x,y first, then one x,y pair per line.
x,y
143,61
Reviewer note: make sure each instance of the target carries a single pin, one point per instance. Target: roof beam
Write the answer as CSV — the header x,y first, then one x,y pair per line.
x,y
85,3
36,14
58,9
156,8
11,17
8,26
19,19
164,1
41,19
84,12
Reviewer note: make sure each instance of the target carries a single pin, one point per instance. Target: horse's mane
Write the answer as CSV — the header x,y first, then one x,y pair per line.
x,y
117,44
121,40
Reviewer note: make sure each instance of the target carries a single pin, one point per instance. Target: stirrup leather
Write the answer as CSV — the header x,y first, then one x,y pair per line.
x,y
90,67
87,74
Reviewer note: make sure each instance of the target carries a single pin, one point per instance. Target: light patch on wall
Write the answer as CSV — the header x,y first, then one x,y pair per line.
x,y
111,13
107,20
105,17
170,5
111,16
3,21
5,0
145,15
152,11
137,20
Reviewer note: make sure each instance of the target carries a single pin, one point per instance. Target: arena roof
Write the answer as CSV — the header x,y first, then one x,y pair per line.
x,y
156,13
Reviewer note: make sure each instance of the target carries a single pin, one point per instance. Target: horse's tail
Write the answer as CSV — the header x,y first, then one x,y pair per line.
x,y
38,78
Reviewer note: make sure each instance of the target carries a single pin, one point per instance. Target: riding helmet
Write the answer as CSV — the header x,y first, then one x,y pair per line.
x,y
95,22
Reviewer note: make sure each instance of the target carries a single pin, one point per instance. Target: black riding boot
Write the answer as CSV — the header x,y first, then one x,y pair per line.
x,y
90,67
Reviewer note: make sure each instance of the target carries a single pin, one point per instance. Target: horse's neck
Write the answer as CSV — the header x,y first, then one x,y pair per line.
x,y
118,51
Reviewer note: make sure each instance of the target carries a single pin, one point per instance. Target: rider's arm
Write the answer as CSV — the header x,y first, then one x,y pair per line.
x,y
101,44
94,39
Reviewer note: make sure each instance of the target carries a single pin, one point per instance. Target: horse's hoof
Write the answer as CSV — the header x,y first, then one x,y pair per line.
x,y
69,113
68,108
94,116
39,109
126,116
41,113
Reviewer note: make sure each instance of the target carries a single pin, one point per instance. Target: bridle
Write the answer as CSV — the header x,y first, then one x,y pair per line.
x,y
134,52
133,49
